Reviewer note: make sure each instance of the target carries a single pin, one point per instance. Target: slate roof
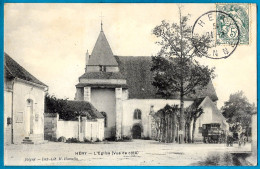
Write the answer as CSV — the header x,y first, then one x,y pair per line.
x,y
86,108
137,71
197,102
102,53
12,69
102,75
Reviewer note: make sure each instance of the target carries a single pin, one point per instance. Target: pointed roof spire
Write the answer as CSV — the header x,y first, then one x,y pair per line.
x,y
102,53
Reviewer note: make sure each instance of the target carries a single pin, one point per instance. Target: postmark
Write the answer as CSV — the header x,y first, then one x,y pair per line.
x,y
207,25
240,13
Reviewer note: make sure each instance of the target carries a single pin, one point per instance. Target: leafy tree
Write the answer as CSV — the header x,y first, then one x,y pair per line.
x,y
176,72
54,105
238,109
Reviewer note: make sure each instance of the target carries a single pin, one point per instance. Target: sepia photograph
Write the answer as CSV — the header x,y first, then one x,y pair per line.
x,y
130,84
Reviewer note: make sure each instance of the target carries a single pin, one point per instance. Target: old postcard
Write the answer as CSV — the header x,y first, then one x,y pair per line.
x,y
130,84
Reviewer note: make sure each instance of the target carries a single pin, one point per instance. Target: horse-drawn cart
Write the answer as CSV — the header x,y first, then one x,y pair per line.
x,y
212,133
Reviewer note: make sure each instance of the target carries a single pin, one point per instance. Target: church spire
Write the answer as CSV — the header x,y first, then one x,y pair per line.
x,y
101,22
101,26
102,54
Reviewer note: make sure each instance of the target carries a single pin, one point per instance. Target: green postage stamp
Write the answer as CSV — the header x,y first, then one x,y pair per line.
x,y
226,30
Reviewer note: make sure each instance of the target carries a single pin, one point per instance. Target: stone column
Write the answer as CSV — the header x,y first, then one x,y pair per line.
x,y
119,109
87,94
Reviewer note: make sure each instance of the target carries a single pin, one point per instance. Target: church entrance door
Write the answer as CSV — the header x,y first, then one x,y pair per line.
x,y
137,130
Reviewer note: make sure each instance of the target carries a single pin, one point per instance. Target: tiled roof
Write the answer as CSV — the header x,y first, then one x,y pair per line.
x,y
137,71
12,69
196,103
85,107
102,53
102,75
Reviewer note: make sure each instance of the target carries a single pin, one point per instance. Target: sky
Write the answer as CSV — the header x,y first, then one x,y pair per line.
x,y
51,41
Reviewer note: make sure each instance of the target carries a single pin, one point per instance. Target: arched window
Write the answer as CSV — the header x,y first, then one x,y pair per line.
x,y
137,114
105,118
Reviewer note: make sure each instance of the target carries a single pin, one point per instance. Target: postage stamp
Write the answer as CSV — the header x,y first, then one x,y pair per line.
x,y
215,25
225,33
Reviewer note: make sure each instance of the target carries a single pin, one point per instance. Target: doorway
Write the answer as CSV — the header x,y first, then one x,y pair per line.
x,y
137,131
29,119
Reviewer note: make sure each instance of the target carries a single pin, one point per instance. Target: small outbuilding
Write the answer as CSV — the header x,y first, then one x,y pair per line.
x,y
211,115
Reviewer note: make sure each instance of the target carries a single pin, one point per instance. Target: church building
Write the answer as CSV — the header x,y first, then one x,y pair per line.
x,y
120,87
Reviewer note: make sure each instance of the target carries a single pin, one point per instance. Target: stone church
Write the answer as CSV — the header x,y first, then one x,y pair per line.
x,y
120,87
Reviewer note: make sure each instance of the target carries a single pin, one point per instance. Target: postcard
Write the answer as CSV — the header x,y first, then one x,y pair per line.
x,y
130,84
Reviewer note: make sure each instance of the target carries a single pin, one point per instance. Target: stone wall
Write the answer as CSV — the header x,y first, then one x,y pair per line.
x,y
50,126
55,128
144,105
79,94
7,115
104,100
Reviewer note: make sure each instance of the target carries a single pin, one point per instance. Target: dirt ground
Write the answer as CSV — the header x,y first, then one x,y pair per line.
x,y
134,153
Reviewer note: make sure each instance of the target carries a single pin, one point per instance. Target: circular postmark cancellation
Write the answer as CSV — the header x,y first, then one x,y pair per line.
x,y
212,26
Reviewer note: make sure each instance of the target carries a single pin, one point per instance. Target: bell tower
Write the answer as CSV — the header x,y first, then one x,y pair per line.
x,y
103,85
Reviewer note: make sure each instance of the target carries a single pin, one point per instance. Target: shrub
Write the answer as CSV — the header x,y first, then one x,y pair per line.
x,y
62,139
146,138
68,109
86,140
72,140
124,138
113,138
127,138
98,140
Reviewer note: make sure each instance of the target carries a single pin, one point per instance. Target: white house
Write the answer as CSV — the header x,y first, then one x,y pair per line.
x,y
23,104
